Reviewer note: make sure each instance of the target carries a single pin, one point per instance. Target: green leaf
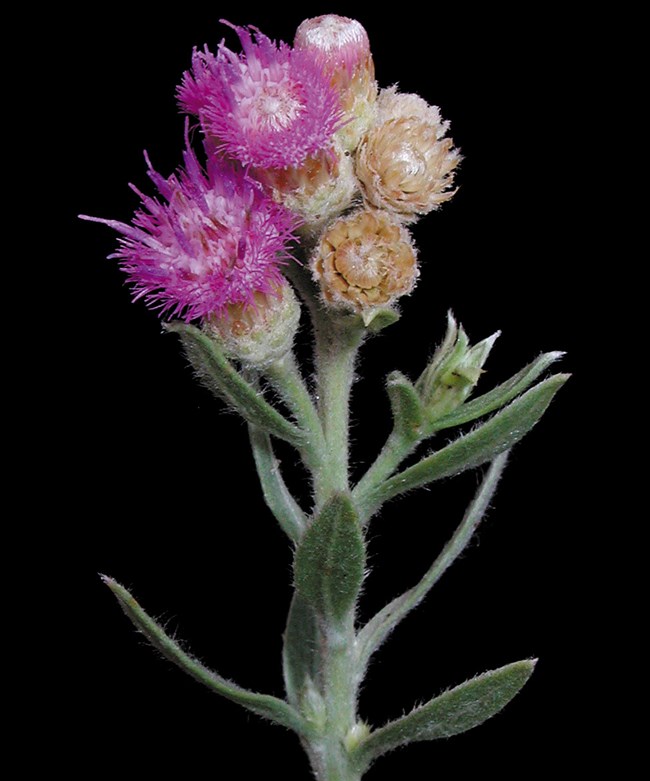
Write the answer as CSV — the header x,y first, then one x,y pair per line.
x,y
457,710
276,494
330,560
499,396
499,433
300,654
263,704
382,624
378,319
407,408
220,376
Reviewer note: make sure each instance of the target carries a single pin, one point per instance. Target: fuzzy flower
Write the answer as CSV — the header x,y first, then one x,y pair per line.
x,y
269,107
364,260
217,241
405,164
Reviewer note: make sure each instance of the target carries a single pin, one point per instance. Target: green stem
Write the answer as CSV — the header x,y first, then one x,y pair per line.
x,y
337,343
288,382
329,753
395,450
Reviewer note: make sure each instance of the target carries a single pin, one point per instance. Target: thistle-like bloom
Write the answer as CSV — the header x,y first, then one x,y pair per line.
x,y
405,163
217,241
269,107
364,260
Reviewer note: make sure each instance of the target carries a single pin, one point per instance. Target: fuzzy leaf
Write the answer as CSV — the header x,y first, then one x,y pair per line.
x,y
382,624
378,319
457,710
217,373
483,444
300,650
276,494
330,559
263,704
499,396
407,408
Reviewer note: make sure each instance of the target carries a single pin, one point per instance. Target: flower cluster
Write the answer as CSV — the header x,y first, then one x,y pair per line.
x,y
304,154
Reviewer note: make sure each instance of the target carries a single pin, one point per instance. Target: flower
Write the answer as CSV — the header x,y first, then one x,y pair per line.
x,y
365,259
270,107
341,47
217,241
405,164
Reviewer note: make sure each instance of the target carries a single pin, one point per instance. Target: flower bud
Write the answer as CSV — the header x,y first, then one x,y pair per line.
x,y
365,260
405,164
342,49
454,370
319,190
261,332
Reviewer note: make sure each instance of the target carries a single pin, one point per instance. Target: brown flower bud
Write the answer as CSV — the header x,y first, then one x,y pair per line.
x,y
365,260
405,164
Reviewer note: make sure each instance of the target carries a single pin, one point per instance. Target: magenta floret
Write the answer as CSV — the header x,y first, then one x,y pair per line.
x,y
216,241
269,107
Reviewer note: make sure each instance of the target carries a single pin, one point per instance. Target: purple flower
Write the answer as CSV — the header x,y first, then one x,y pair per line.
x,y
217,241
269,107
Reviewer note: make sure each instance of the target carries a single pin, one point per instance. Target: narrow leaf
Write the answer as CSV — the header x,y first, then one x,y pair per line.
x,y
457,710
330,559
482,444
220,376
276,494
263,704
407,408
499,396
300,655
382,624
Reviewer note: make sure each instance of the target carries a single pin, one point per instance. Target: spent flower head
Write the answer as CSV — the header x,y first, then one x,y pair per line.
x,y
217,241
405,163
269,107
364,260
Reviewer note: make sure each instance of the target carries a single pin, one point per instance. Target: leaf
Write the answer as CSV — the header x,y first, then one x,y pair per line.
x,y
499,396
276,494
301,649
407,408
457,710
382,624
220,376
378,319
330,560
263,704
482,444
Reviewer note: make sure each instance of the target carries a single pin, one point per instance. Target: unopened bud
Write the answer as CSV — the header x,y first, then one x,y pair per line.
x,y
259,333
319,190
404,163
365,260
342,49
453,371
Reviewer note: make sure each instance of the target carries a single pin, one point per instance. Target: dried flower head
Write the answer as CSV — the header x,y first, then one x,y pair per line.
x,y
269,107
364,260
217,241
405,163
341,47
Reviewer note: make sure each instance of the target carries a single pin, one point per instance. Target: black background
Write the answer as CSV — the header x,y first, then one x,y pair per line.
x,y
160,491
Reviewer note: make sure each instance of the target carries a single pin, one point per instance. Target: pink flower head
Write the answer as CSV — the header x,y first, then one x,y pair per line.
x,y
217,241
269,107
